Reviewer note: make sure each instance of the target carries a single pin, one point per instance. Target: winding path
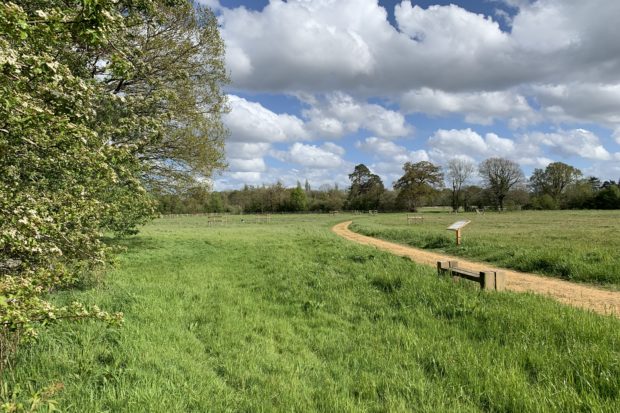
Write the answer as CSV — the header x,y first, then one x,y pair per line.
x,y
577,295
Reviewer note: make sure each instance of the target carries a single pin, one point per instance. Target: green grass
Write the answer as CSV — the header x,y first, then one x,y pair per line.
x,y
288,317
574,245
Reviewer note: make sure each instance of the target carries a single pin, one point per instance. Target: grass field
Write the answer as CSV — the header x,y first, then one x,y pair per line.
x,y
288,317
574,245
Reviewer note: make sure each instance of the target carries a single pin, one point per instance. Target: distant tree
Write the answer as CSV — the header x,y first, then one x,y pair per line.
x,y
458,172
473,195
307,186
298,201
366,189
419,180
554,179
608,198
500,176
216,203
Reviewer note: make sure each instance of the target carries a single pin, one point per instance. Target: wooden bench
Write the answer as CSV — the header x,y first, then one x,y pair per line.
x,y
414,219
334,212
489,280
373,211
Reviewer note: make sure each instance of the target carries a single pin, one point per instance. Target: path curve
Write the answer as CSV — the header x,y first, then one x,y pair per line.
x,y
583,296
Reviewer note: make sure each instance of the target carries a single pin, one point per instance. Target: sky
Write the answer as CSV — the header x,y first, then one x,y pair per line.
x,y
319,86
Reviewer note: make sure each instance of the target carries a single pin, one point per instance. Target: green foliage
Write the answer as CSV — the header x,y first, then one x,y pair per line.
x,y
289,317
366,189
500,176
298,201
76,147
420,180
553,180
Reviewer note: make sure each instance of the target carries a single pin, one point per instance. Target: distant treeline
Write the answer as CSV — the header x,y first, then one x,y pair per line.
x,y
501,185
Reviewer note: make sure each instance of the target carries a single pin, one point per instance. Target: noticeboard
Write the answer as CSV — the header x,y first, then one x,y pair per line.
x,y
458,225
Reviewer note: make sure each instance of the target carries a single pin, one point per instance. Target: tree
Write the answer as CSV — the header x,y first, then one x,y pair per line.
x,y
500,176
298,201
97,97
366,189
554,179
62,184
459,171
170,103
420,179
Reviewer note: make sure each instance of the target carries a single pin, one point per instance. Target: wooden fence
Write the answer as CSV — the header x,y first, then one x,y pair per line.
x,y
414,219
488,279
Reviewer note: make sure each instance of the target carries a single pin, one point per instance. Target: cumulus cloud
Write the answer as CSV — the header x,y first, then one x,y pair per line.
x,y
479,107
339,113
576,142
247,165
388,150
312,156
559,62
247,150
251,122
448,144
579,102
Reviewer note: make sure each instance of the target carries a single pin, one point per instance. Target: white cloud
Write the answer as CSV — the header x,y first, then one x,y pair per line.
x,y
252,178
387,150
447,144
575,102
247,165
251,122
478,107
339,113
349,45
576,142
559,63
246,150
312,156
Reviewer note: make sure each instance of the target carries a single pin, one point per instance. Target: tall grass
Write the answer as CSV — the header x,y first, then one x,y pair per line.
x,y
573,245
288,317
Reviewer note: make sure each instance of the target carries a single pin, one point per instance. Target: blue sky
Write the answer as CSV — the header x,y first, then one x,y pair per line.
x,y
319,86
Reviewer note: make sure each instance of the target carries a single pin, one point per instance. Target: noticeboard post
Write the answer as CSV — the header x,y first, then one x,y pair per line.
x,y
456,227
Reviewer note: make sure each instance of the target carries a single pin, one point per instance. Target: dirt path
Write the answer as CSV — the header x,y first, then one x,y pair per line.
x,y
600,301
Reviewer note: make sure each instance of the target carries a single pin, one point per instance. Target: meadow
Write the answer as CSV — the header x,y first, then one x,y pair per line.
x,y
286,316
573,245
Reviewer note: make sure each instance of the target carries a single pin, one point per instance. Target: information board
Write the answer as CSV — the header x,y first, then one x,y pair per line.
x,y
458,225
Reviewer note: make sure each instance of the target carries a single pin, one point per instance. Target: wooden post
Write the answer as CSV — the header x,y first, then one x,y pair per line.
x,y
458,236
487,280
500,281
454,264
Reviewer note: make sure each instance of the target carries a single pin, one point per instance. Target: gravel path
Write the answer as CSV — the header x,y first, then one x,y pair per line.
x,y
577,295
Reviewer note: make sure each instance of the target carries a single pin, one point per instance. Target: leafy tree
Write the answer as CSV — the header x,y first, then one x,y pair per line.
x,y
171,106
90,106
298,201
500,176
419,180
459,171
608,198
366,189
554,179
